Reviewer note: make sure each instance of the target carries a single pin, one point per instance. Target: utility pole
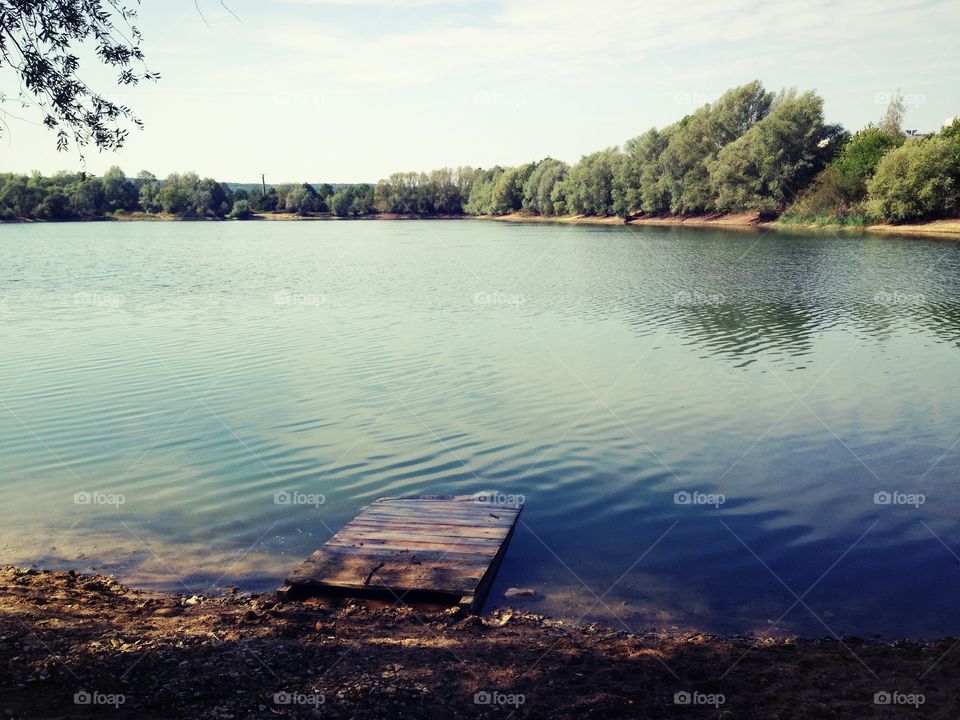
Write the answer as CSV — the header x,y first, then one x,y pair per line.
x,y
263,183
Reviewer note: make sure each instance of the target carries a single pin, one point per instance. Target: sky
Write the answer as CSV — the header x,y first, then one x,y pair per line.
x,y
353,90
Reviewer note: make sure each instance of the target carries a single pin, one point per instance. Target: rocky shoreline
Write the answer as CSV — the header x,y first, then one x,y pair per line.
x,y
75,646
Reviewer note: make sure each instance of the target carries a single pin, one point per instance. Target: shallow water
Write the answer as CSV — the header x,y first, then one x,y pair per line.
x,y
198,369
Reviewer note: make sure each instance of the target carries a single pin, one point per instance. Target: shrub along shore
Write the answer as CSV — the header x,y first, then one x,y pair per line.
x,y
750,152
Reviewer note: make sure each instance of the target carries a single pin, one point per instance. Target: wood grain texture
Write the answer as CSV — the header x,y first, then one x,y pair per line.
x,y
436,548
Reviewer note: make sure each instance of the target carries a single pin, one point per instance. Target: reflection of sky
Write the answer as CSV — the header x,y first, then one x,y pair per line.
x,y
322,90
641,363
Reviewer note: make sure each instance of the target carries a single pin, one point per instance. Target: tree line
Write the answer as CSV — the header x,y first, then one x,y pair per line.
x,y
73,196
749,151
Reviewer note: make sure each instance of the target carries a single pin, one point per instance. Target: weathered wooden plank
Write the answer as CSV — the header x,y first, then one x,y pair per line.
x,y
373,545
465,505
355,537
390,534
483,518
439,547
396,574
439,529
349,557
468,504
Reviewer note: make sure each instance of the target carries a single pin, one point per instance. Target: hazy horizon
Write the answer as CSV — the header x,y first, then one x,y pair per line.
x,y
346,91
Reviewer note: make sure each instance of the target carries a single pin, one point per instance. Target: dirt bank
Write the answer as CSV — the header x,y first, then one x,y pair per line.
x,y
74,647
566,219
739,220
752,221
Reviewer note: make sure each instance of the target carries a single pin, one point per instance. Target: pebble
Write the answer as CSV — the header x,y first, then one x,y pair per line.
x,y
172,611
519,593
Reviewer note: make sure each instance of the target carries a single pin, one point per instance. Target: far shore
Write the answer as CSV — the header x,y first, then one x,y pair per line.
x,y
742,221
737,221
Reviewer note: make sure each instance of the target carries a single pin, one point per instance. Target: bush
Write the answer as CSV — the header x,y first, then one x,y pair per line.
x,y
241,210
918,180
863,152
833,196
952,131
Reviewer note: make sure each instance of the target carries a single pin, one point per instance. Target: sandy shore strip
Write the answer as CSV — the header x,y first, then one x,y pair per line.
x,y
742,221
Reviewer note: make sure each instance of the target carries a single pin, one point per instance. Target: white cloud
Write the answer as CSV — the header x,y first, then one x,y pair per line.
x,y
315,89
524,38
379,3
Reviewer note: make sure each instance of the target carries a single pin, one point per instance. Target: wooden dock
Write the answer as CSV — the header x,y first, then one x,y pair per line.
x,y
428,549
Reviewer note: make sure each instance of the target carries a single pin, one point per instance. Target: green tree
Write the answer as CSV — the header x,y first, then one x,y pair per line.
x,y
444,184
838,192
17,198
588,186
186,195
324,191
339,202
40,46
917,181
149,198
352,200
54,206
118,192
398,193
696,141
300,201
952,130
260,202
863,152
506,195
538,190
765,168
241,210
479,201
86,197
212,199
361,202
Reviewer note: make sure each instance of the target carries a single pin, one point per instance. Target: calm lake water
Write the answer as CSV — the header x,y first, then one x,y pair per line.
x,y
699,420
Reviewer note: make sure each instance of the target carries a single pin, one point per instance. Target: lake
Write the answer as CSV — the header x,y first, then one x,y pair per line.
x,y
729,431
